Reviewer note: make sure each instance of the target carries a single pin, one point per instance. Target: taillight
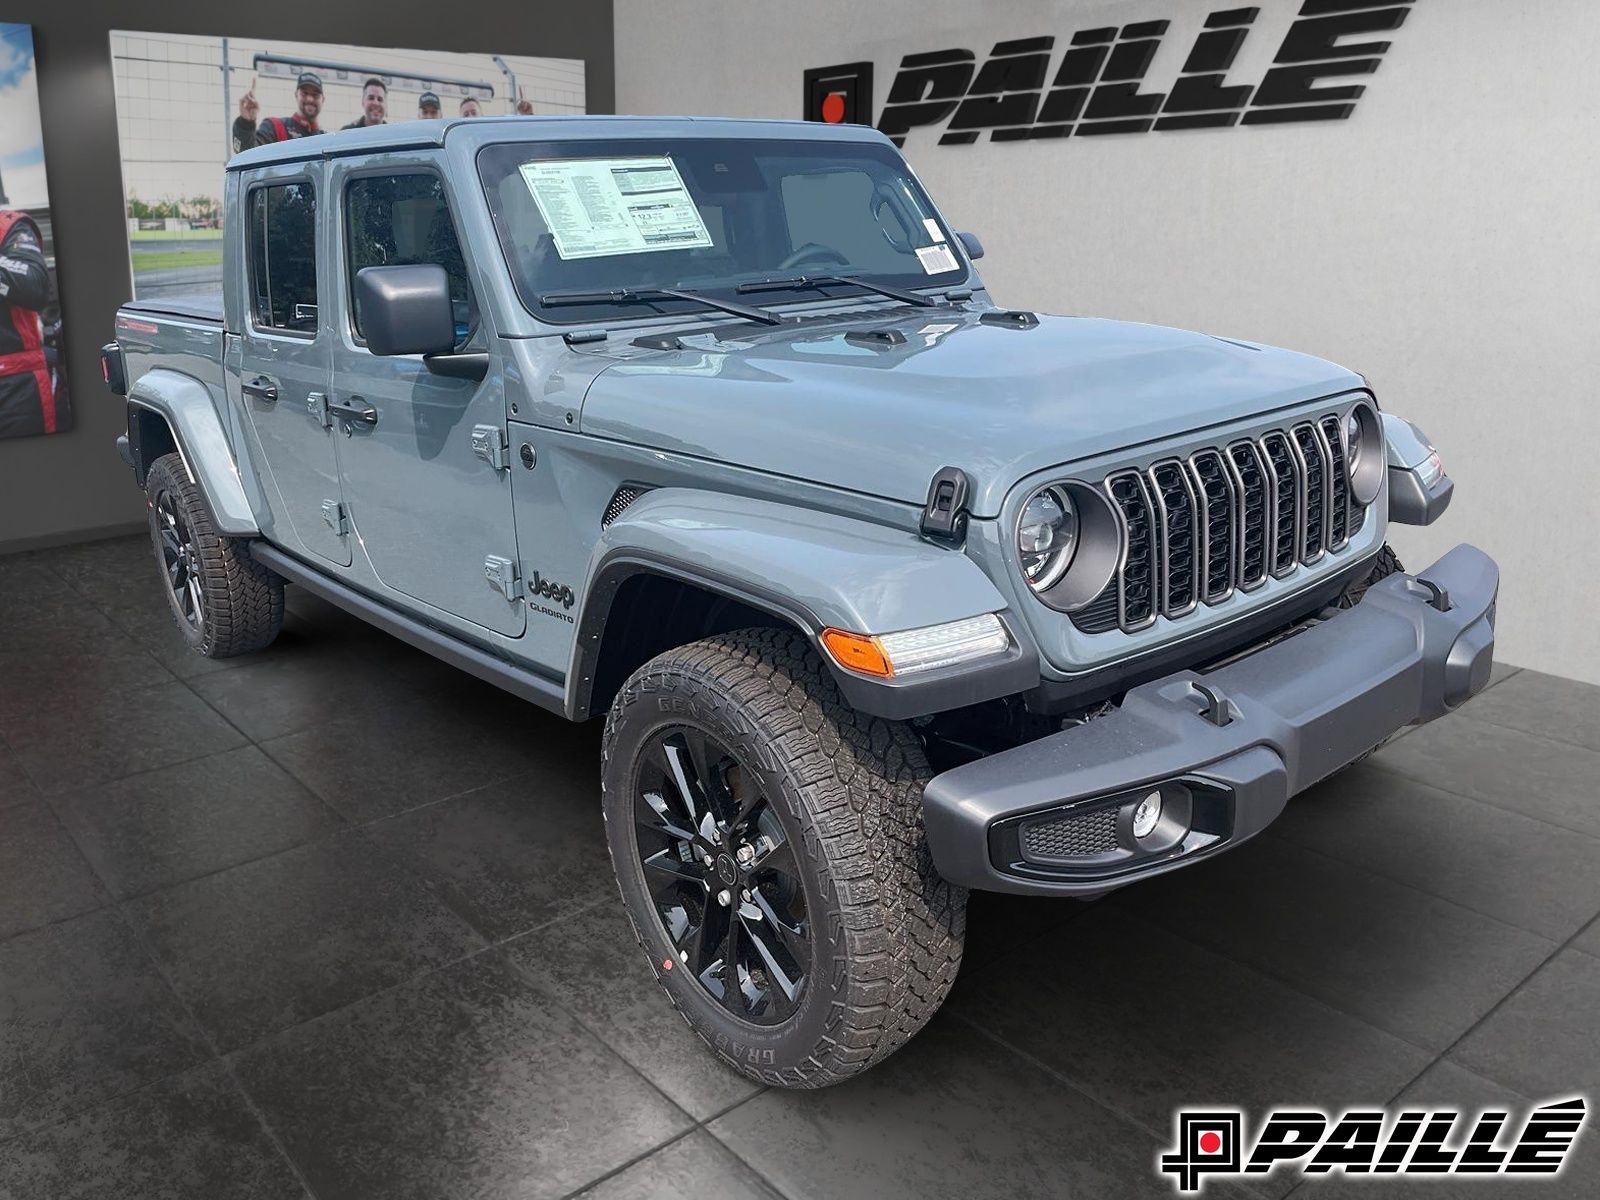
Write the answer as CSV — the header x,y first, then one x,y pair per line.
x,y
112,368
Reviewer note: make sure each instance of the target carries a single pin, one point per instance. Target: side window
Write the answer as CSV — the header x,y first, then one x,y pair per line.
x,y
400,219
283,258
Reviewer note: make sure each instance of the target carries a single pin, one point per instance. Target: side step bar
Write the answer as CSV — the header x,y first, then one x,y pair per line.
x,y
519,681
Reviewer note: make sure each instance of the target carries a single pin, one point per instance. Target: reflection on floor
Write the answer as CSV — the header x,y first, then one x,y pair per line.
x,y
337,920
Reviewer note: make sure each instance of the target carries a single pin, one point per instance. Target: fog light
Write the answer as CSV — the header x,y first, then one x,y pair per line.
x,y
1146,815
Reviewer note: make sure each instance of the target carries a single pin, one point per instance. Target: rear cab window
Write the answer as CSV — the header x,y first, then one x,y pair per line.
x,y
282,243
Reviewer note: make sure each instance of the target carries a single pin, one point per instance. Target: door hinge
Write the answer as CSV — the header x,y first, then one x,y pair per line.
x,y
317,406
502,575
489,443
334,514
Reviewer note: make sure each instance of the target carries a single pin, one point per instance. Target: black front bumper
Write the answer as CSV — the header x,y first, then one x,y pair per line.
x,y
1225,749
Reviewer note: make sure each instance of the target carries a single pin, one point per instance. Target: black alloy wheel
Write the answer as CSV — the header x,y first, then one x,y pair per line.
x,y
180,556
721,875
225,603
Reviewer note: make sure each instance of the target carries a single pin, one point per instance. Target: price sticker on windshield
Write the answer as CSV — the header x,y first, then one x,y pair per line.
x,y
936,259
595,207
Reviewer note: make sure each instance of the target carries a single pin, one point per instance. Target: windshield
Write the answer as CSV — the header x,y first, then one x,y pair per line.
x,y
706,215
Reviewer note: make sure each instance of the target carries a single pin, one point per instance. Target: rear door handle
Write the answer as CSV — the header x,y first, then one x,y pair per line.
x,y
357,410
261,388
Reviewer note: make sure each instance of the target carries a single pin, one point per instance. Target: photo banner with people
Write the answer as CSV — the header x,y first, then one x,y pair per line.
x,y
33,385
186,104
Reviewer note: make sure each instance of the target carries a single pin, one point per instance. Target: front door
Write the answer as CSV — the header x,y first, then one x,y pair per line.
x,y
285,357
428,484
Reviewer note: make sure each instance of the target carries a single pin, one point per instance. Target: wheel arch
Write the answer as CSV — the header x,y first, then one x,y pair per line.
x,y
638,606
169,412
798,567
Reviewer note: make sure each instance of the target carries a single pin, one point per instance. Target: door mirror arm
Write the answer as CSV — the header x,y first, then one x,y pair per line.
x,y
470,364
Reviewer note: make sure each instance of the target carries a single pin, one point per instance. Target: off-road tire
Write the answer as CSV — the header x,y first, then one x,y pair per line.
x,y
241,600
886,931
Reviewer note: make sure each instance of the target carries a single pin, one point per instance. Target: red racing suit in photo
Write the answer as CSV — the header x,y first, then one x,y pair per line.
x,y
273,129
27,398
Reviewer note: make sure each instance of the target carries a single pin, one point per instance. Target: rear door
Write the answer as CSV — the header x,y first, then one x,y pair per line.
x,y
428,479
285,358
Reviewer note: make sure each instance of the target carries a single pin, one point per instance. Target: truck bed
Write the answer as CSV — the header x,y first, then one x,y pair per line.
x,y
182,334
206,306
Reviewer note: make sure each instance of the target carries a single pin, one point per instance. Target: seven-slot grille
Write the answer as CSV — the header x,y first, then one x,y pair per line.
x,y
1225,520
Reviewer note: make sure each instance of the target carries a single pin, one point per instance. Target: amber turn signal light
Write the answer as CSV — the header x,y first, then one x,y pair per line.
x,y
857,652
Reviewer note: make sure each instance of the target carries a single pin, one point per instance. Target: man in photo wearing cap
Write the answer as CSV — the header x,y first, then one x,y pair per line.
x,y
428,106
300,123
374,104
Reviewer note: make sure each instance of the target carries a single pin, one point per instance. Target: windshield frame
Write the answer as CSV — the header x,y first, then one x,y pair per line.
x,y
488,162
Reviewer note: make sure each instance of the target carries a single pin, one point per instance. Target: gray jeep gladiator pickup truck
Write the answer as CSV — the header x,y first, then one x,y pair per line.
x,y
885,592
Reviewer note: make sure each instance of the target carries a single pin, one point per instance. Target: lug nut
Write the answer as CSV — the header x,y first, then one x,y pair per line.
x,y
744,854
723,898
745,895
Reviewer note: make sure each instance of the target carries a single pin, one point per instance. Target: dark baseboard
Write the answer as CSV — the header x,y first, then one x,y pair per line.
x,y
71,537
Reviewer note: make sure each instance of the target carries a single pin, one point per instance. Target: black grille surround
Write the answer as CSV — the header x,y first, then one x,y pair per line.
x,y
1226,519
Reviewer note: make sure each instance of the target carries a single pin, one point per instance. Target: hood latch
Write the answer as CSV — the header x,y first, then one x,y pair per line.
x,y
944,517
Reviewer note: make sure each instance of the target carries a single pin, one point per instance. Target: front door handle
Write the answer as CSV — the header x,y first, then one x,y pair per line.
x,y
261,388
358,410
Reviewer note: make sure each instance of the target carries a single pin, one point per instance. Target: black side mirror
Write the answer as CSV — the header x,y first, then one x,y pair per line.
x,y
406,310
973,247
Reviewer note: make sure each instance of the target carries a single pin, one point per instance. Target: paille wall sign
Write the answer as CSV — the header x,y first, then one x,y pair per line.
x,y
1098,86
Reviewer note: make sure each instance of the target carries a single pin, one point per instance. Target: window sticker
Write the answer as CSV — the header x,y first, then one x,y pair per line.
x,y
936,259
602,206
932,227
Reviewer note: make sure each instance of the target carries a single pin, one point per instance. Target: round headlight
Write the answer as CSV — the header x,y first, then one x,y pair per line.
x,y
1352,437
1364,457
1047,534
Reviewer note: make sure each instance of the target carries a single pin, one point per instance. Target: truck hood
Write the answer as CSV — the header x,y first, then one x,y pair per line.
x,y
1000,402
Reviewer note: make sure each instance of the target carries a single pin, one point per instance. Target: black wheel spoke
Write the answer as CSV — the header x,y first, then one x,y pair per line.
x,y
786,976
789,932
180,558
680,770
774,855
743,795
668,870
733,998
706,942
654,814
721,875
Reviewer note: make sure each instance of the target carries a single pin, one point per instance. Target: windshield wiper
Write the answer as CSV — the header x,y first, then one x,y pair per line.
x,y
815,281
636,294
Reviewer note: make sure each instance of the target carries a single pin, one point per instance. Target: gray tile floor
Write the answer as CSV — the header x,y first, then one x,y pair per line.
x,y
337,921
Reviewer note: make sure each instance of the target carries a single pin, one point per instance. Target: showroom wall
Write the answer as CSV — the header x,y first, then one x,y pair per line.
x,y
72,485
1443,239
